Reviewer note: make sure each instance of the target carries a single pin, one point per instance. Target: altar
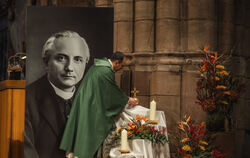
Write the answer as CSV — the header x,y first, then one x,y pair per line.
x,y
141,148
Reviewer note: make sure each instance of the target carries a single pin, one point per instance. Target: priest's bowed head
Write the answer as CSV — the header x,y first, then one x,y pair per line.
x,y
98,101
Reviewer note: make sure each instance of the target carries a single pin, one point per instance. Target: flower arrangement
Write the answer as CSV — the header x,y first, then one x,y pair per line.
x,y
217,89
139,128
192,142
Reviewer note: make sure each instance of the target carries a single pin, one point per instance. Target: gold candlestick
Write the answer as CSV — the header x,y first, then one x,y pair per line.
x,y
134,92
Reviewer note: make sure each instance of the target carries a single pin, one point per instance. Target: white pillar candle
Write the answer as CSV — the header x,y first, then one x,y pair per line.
x,y
152,110
124,141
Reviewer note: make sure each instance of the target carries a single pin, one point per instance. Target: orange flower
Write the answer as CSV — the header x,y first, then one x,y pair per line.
x,y
131,126
204,67
119,130
210,55
216,55
188,119
181,127
220,67
227,92
215,58
221,87
206,48
224,73
203,142
186,148
130,123
130,133
202,147
144,118
202,124
217,78
184,140
224,102
137,117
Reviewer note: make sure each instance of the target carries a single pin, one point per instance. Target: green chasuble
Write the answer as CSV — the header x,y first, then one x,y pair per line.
x,y
97,102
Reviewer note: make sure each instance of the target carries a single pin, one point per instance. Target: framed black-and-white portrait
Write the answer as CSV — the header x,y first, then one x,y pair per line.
x,y
59,41
95,25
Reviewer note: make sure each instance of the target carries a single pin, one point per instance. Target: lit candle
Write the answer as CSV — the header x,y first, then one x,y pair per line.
x,y
124,141
152,110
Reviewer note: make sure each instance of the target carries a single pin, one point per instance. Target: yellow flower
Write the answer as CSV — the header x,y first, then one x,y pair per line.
x,y
220,67
217,78
203,142
227,92
184,140
224,73
224,102
186,148
202,148
221,87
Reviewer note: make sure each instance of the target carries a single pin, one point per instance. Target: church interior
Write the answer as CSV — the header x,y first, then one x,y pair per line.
x,y
164,42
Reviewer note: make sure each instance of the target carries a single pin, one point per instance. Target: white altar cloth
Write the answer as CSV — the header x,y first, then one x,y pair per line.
x,y
141,148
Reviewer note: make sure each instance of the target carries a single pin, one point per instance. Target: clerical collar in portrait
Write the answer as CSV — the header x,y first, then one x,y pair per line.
x,y
63,94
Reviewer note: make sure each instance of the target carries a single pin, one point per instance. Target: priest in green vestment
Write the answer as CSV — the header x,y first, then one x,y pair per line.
x,y
97,102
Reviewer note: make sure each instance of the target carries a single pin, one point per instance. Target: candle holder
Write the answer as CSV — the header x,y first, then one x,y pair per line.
x,y
134,92
124,151
16,66
153,121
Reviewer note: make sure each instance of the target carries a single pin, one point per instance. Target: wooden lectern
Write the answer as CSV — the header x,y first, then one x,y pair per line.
x,y
12,117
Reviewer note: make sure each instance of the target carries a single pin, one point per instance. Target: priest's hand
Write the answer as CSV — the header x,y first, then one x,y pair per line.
x,y
132,101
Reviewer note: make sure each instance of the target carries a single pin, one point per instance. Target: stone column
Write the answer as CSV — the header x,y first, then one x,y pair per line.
x,y
123,25
144,35
144,26
167,25
165,81
241,66
226,25
239,27
202,24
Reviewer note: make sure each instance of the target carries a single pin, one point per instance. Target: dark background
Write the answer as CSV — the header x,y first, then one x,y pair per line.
x,y
95,25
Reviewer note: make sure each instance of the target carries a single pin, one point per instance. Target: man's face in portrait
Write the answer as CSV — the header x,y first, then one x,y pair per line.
x,y
67,61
